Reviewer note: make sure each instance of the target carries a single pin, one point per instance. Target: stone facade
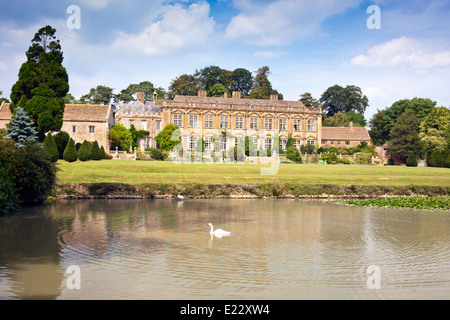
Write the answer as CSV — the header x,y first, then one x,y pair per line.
x,y
344,137
5,115
88,122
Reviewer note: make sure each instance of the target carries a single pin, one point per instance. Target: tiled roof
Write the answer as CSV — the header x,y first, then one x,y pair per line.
x,y
86,112
5,113
345,133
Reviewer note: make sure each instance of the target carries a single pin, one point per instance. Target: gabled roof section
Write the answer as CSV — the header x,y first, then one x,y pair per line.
x,y
87,112
235,101
345,133
5,113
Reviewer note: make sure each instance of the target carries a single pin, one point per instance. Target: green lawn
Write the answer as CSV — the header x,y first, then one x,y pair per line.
x,y
137,172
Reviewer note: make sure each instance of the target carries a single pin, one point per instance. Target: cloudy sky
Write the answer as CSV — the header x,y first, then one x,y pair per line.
x,y
309,45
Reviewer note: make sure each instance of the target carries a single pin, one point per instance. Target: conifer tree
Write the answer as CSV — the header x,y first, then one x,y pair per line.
x,y
95,153
21,129
70,153
84,153
51,148
411,161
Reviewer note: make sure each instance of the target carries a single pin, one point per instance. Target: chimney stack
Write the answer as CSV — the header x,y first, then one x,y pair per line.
x,y
225,95
236,95
202,93
274,97
141,97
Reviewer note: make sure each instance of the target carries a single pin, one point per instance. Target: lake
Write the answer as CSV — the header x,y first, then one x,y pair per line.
x,y
277,249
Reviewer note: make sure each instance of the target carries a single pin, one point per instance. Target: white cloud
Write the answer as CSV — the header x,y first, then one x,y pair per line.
x,y
283,21
178,28
269,54
402,51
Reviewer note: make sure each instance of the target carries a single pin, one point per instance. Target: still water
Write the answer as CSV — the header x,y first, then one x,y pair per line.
x,y
278,249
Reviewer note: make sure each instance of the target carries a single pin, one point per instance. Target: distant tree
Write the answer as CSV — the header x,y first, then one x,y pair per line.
x,y
185,85
244,81
209,76
168,138
70,153
99,95
43,83
21,129
404,137
217,90
380,127
339,119
2,99
69,99
337,98
262,88
137,134
61,140
129,94
434,127
411,161
309,101
50,146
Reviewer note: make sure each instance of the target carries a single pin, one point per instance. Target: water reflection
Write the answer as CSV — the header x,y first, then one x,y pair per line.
x,y
278,249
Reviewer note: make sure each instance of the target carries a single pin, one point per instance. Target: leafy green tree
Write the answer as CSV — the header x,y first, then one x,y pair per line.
x,y
217,90
70,153
51,148
184,85
337,98
69,99
99,95
243,79
102,153
380,127
9,199
137,134
411,161
447,161
120,137
339,119
209,76
168,138
308,100
147,87
2,99
43,82
404,137
21,129
262,88
61,139
433,129
84,154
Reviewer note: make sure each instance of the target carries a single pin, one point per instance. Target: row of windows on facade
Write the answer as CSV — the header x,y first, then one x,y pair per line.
x,y
233,106
91,129
239,123
144,124
268,143
338,143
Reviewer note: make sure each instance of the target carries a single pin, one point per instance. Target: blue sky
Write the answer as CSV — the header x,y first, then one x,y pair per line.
x,y
309,45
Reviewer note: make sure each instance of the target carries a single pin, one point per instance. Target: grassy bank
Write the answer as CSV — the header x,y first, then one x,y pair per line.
x,y
166,172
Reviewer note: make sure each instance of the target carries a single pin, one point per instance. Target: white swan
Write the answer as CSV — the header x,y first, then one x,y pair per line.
x,y
180,197
218,232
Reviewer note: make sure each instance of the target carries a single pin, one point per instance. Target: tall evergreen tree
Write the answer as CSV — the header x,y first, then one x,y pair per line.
x,y
21,129
43,82
70,153
404,137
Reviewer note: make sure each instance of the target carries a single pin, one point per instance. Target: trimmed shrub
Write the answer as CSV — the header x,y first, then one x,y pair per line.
x,y
103,153
411,161
70,153
157,154
51,148
61,139
95,153
293,154
84,153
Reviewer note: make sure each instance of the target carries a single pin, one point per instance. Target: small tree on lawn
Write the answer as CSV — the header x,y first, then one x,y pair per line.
x,y
411,161
21,129
70,153
447,162
51,148
95,153
84,153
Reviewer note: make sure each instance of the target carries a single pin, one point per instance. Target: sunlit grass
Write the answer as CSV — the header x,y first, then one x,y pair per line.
x,y
140,172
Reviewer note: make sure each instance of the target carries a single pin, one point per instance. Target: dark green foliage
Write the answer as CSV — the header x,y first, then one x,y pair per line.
x,y
78,146
137,134
168,138
99,95
418,203
447,162
157,154
70,153
404,136
95,153
50,146
308,148
120,137
437,158
21,129
411,161
29,173
61,140
43,82
330,158
337,98
9,200
102,153
293,154
84,153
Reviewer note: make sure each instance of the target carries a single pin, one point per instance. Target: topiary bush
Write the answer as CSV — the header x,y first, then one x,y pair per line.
x,y
411,161
51,148
84,153
70,153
